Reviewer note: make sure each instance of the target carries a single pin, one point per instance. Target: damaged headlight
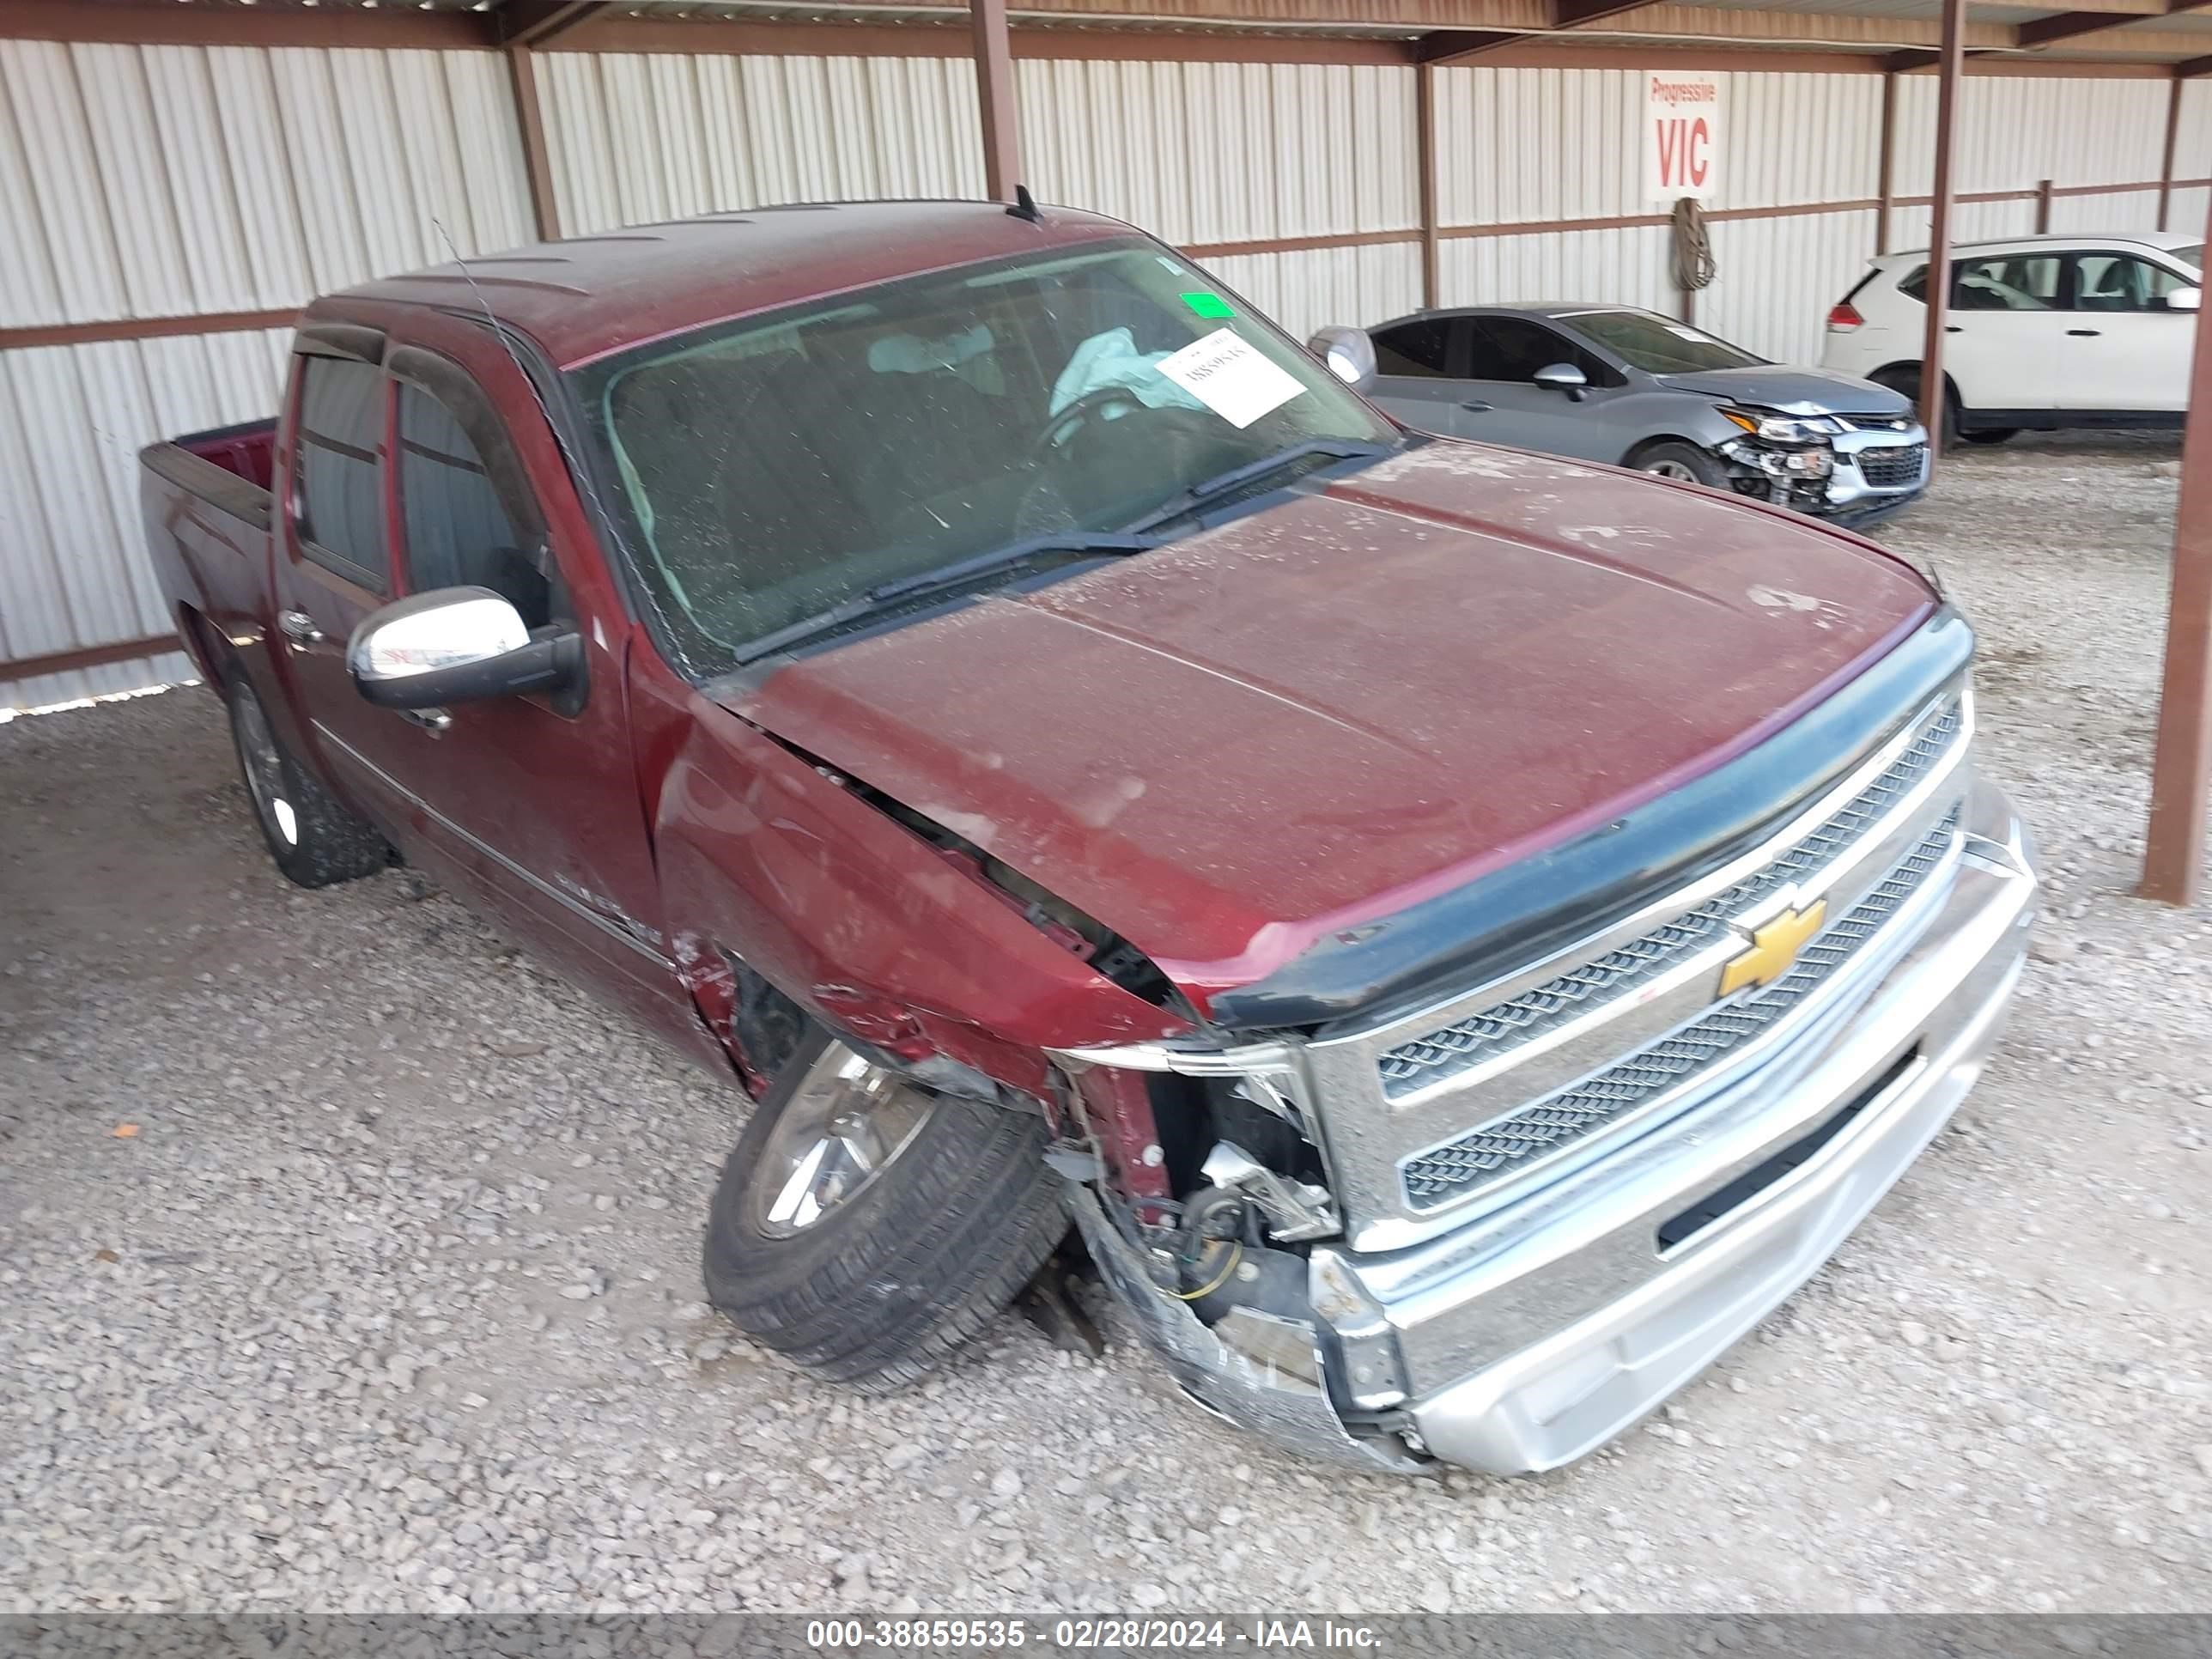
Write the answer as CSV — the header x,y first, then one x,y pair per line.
x,y
1784,463
1784,429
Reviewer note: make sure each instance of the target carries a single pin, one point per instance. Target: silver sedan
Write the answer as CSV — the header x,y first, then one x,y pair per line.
x,y
1633,388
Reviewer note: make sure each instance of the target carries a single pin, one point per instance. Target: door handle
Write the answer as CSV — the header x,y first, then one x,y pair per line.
x,y
435,721
1953,328
2085,333
1476,406
298,627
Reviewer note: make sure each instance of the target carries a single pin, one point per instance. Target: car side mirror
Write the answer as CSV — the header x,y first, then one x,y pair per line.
x,y
457,645
1347,353
1563,377
2185,299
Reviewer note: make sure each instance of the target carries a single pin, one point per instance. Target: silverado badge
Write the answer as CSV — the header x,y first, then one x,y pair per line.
x,y
1774,947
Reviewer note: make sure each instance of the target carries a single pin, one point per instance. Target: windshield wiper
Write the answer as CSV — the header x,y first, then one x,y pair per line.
x,y
1058,547
1187,501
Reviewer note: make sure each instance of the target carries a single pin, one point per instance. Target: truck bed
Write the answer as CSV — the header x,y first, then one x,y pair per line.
x,y
205,500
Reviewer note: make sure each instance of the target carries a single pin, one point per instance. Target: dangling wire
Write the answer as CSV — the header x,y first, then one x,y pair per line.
x,y
1694,267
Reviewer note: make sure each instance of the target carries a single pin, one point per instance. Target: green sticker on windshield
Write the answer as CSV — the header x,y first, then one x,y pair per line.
x,y
1209,305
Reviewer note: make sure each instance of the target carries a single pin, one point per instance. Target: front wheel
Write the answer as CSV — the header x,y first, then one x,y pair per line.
x,y
1685,462
1991,435
865,1227
314,839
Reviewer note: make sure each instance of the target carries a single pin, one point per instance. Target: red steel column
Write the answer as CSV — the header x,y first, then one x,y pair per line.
x,y
994,89
1887,163
1939,228
2173,133
529,120
1424,122
2181,762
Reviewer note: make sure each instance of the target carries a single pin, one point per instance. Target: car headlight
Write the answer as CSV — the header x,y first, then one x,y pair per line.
x,y
1784,429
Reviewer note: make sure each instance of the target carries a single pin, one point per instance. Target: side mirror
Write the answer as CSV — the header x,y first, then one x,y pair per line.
x,y
2185,299
1347,353
457,645
1563,377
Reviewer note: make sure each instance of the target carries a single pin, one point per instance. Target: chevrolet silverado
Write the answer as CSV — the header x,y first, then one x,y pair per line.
x,y
1460,933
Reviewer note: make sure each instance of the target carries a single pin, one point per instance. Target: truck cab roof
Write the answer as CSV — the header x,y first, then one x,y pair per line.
x,y
582,297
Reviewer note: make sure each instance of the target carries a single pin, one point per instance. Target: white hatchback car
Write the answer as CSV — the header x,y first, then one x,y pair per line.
x,y
2045,331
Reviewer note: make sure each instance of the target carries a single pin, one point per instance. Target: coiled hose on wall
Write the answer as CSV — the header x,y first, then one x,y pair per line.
x,y
1693,248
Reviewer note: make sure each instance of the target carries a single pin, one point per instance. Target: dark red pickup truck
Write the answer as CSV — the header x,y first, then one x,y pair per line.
x,y
1462,934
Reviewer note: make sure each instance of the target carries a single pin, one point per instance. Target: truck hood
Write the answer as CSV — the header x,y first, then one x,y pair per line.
x,y
1793,391
1317,714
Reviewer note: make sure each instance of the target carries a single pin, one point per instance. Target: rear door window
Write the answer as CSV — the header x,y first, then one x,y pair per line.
x,y
2006,282
337,477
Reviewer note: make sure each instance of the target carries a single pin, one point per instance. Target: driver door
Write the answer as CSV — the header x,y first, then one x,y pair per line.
x,y
2124,348
1500,402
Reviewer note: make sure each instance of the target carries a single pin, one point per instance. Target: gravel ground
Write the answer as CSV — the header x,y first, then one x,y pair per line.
x,y
347,1262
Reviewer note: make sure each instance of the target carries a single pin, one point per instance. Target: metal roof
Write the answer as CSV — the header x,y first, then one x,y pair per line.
x,y
2109,32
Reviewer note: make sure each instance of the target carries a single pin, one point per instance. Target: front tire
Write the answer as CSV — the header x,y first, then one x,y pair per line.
x,y
1684,462
315,840
865,1227
1991,435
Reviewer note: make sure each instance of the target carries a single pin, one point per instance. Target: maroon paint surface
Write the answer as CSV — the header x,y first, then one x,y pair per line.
x,y
1321,713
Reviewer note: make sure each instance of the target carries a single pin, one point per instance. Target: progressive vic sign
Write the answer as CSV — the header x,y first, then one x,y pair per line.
x,y
1681,136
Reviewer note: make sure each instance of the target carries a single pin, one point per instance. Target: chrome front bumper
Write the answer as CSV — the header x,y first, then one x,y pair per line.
x,y
1912,1049
1535,1331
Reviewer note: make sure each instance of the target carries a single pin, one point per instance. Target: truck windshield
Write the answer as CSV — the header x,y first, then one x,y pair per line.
x,y
782,467
1659,345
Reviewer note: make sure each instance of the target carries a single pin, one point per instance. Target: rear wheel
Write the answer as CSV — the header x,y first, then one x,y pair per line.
x,y
1687,462
314,839
1905,379
1991,435
865,1227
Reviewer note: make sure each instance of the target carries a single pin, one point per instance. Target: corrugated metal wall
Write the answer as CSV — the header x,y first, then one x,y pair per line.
x,y
2016,133
634,137
1200,153
1521,146
174,181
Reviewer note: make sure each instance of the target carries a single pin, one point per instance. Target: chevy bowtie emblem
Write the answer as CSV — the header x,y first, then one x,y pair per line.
x,y
1774,948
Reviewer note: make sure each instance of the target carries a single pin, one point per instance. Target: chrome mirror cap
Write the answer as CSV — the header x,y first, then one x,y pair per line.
x,y
449,628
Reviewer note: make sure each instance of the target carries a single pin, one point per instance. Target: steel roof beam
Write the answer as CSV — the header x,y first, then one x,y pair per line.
x,y
540,22
1452,46
2071,25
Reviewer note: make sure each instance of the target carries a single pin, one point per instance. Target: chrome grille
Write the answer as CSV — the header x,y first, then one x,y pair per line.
x,y
1443,1173
1877,422
1470,1041
1893,466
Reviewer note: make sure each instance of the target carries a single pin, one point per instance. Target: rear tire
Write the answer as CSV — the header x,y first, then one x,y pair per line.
x,y
315,840
1683,461
918,1224
1906,380
1991,435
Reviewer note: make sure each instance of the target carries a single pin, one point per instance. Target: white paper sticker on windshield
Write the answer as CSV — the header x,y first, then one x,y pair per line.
x,y
1681,332
1229,376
